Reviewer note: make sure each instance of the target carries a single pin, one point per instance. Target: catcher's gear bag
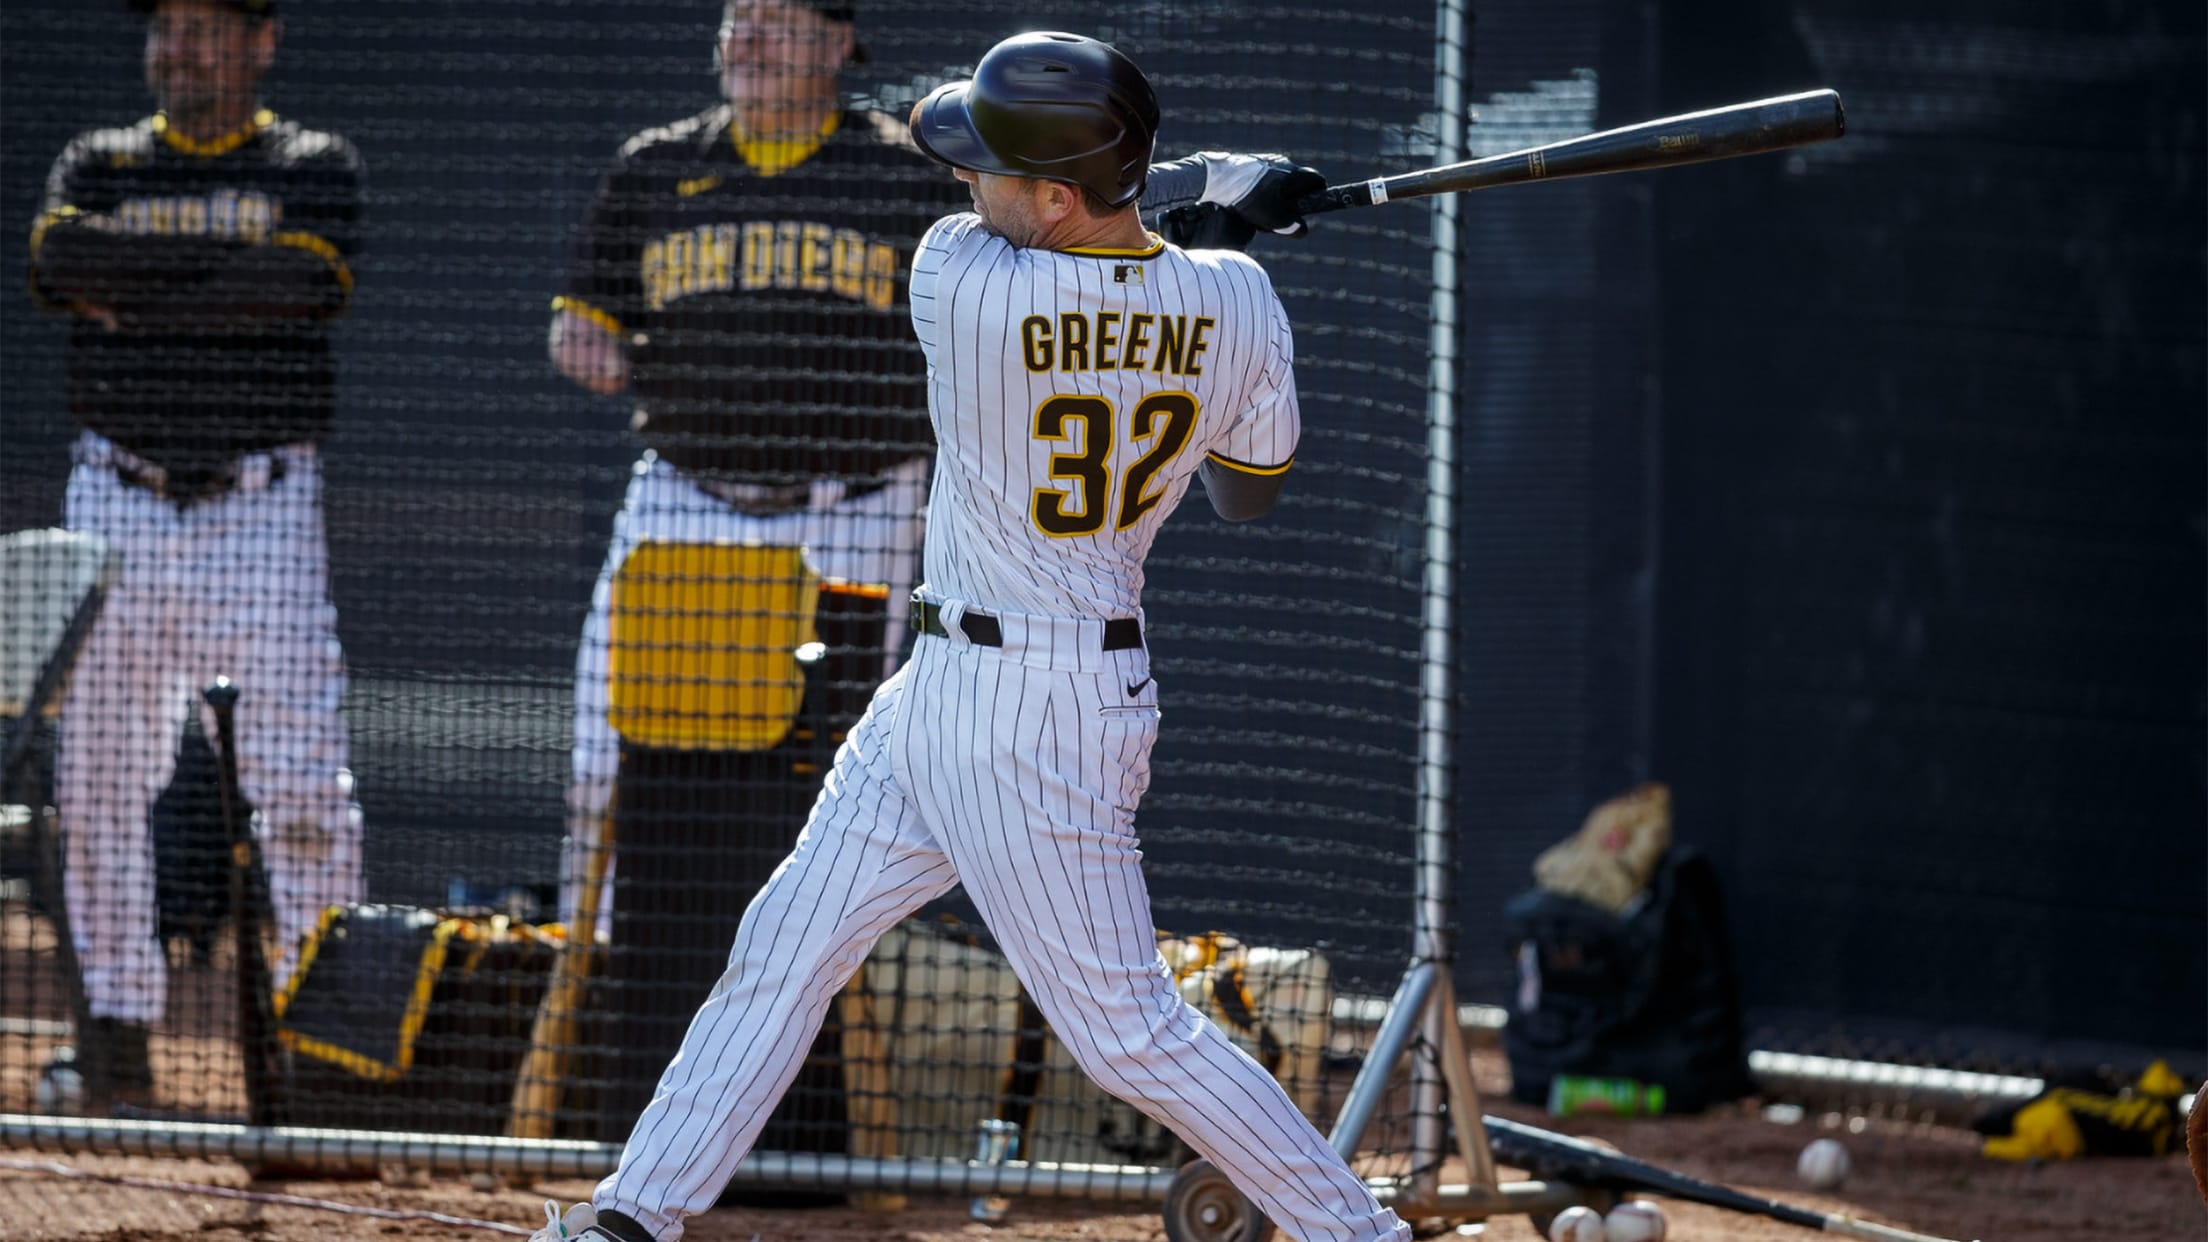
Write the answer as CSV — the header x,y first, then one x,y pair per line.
x,y
1650,995
2085,1114
400,1018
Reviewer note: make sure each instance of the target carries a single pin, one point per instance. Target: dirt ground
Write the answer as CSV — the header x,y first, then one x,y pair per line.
x,y
1922,1177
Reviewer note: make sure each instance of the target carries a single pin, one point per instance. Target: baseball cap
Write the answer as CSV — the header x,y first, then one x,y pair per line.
x,y
251,8
834,10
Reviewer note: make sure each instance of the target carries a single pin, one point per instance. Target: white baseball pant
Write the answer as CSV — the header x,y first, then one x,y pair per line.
x,y
1016,771
236,586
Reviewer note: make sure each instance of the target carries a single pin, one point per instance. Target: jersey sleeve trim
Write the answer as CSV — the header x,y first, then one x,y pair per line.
x,y
1246,468
322,247
577,306
46,220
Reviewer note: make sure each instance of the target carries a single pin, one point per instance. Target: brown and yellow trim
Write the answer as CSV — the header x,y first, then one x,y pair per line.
x,y
323,248
45,221
410,1026
578,307
208,148
1247,468
1151,251
770,157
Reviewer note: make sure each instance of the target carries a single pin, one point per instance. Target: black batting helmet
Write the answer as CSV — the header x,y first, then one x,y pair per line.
x,y
1057,106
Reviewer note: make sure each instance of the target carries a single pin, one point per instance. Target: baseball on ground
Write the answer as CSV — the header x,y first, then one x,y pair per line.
x,y
1635,1220
1577,1224
1823,1164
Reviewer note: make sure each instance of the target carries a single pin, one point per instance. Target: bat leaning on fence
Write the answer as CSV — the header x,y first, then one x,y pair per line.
x,y
1716,134
542,1077
1559,1158
250,920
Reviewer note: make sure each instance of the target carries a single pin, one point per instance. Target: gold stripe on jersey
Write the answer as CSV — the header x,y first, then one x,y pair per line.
x,y
577,306
207,148
769,254
46,220
1247,468
1156,247
320,246
1113,341
770,157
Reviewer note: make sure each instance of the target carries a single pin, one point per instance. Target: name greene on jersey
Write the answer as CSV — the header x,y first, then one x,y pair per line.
x,y
804,255
1112,341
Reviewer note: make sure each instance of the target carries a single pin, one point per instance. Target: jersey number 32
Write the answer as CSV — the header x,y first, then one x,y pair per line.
x,y
1079,508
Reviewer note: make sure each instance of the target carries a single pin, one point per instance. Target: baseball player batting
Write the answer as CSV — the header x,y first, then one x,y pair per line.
x,y
1082,373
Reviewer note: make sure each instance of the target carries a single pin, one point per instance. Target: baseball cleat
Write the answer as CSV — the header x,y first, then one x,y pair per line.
x,y
581,1224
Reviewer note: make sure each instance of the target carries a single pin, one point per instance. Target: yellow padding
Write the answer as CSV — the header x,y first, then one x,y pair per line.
x,y
704,639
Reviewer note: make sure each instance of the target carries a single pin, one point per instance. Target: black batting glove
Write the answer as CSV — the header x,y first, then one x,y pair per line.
x,y
1218,199
1263,190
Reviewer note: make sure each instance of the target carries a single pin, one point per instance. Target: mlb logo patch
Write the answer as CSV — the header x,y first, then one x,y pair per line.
x,y
1126,273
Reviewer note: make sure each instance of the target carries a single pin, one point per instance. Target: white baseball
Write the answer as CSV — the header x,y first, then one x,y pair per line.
x,y
1823,1164
1577,1224
1635,1220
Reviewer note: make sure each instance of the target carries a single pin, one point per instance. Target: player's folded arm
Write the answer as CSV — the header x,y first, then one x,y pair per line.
x,y
82,257
1240,491
79,258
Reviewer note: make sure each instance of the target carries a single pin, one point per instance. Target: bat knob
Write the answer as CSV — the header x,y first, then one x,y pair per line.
x,y
220,693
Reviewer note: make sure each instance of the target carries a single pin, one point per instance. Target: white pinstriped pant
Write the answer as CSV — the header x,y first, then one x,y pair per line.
x,y
1015,771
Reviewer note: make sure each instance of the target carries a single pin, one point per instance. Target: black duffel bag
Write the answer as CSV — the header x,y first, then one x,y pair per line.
x,y
1649,994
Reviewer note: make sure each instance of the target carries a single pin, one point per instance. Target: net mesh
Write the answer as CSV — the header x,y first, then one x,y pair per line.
x,y
510,679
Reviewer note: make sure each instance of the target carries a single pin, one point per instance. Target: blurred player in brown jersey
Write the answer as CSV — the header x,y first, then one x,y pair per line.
x,y
200,255
741,275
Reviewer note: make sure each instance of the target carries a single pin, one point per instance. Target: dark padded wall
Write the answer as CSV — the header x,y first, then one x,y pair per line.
x,y
1931,641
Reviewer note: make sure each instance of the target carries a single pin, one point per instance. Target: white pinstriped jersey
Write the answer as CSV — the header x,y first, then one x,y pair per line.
x,y
1074,394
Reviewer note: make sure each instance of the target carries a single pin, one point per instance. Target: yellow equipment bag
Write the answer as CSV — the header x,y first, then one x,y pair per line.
x,y
704,644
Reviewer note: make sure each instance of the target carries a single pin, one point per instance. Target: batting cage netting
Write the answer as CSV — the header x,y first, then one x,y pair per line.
x,y
478,595
465,468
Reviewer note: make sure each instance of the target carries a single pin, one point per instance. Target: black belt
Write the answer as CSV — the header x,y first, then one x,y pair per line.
x,y
981,629
774,499
186,487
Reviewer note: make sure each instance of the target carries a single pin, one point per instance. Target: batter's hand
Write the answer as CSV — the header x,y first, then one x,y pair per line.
x,y
1261,190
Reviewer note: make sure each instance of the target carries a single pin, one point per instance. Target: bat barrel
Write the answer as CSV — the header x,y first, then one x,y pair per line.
x,y
1752,128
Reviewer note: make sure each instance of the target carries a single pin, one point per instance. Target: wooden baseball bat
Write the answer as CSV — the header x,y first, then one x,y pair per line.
x,y
866,1082
1715,134
542,1078
250,916
1559,1158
